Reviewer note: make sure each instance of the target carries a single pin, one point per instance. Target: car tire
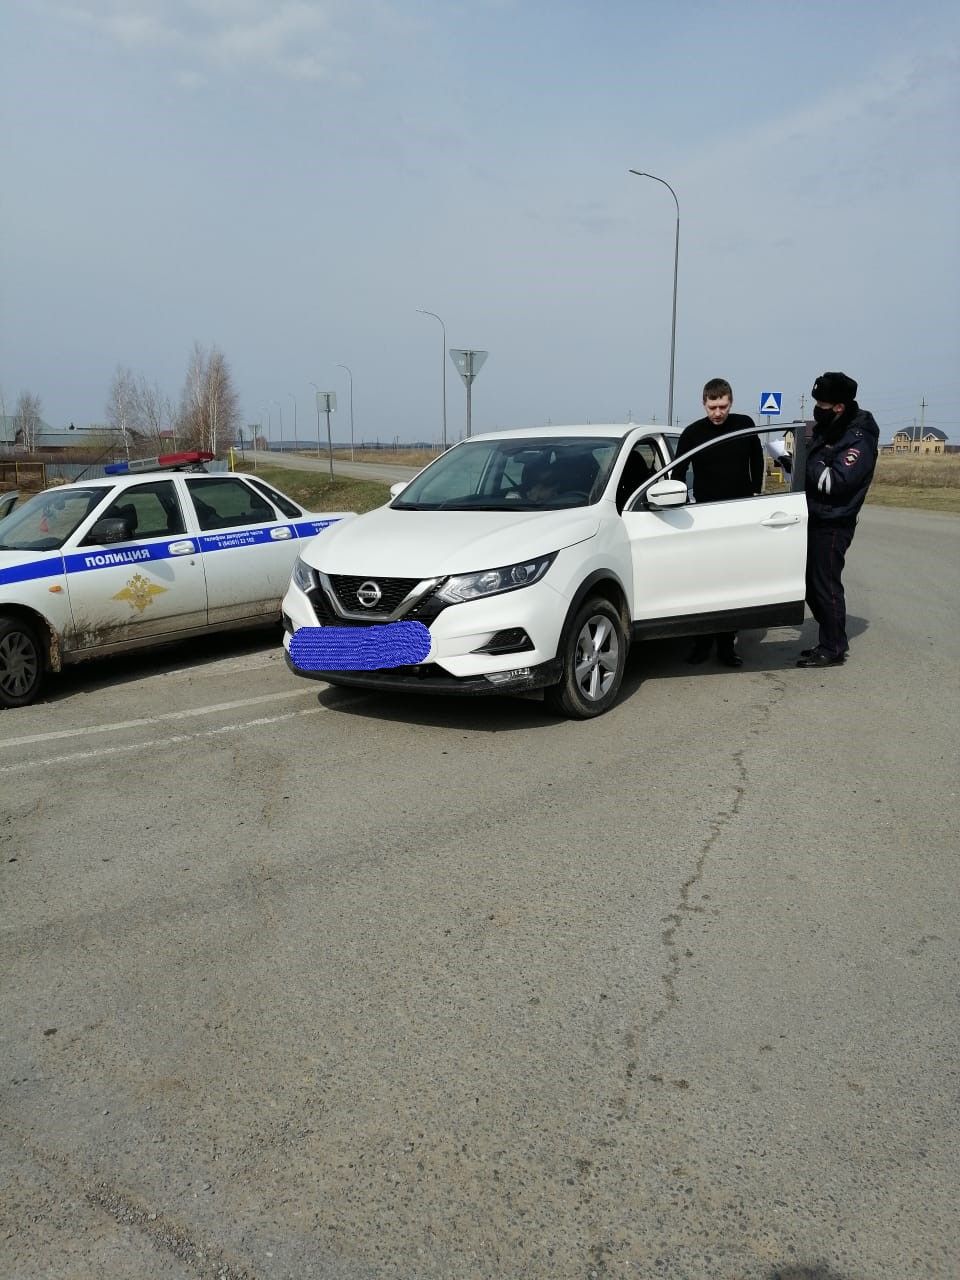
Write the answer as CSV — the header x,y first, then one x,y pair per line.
x,y
21,663
594,656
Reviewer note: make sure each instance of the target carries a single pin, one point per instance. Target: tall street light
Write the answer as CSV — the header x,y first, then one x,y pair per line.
x,y
343,366
676,260
280,407
317,398
294,399
443,367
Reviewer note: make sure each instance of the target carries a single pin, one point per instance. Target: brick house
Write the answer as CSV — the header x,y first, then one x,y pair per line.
x,y
917,440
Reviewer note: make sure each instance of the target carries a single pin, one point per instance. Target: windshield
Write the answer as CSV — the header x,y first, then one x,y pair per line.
x,y
535,473
47,520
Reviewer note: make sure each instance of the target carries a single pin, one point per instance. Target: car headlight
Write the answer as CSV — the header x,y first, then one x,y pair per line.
x,y
492,582
303,575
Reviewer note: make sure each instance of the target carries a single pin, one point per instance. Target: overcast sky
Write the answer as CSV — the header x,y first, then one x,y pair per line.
x,y
289,180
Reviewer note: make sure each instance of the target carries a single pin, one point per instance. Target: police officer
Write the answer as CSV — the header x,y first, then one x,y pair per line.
x,y
841,457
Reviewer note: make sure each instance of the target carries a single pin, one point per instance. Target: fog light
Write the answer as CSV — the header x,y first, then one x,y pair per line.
x,y
503,677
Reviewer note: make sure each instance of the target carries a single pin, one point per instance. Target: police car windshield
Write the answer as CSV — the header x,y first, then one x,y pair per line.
x,y
47,520
514,473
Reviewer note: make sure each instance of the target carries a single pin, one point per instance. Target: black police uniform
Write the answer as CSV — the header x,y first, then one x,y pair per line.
x,y
841,459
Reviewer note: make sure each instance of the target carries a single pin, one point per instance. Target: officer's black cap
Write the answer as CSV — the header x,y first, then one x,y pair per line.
x,y
834,388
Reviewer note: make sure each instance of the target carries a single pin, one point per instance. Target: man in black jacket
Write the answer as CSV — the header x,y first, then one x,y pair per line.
x,y
841,458
730,470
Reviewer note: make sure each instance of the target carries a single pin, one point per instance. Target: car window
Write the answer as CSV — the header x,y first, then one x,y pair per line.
x,y
514,473
642,462
455,476
285,505
224,502
151,509
47,519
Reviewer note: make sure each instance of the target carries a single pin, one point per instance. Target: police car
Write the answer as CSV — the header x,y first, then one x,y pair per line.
x,y
157,550
530,560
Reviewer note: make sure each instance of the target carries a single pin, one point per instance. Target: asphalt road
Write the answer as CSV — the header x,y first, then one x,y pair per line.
x,y
387,472
306,983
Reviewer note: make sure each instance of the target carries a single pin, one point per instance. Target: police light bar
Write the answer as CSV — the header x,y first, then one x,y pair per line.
x,y
191,458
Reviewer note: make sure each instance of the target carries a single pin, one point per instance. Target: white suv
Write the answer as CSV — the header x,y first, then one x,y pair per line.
x,y
524,560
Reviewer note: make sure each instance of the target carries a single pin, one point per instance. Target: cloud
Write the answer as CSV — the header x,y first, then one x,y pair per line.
x,y
848,129
292,39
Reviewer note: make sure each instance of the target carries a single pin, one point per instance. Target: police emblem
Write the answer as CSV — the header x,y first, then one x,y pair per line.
x,y
850,457
139,592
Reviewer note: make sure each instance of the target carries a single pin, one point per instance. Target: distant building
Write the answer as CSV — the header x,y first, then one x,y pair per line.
x,y
916,440
50,439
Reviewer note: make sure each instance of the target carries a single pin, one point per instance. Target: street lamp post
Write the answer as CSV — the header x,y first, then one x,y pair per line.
x,y
343,366
443,367
294,399
280,407
676,261
317,397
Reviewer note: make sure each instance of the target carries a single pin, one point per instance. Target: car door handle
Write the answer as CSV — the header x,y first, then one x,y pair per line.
x,y
280,533
780,520
182,548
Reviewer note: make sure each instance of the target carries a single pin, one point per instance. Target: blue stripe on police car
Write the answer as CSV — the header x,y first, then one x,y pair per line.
x,y
105,558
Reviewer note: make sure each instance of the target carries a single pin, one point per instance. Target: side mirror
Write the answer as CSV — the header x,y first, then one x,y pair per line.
x,y
398,488
109,530
667,493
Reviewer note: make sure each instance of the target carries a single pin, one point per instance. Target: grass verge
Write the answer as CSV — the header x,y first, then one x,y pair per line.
x,y
927,498
319,493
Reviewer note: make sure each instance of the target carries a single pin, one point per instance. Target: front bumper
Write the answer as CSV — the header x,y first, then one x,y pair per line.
x,y
427,677
467,651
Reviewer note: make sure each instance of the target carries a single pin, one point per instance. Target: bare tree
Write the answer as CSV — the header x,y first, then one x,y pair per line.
x,y
224,414
209,413
27,421
151,411
121,406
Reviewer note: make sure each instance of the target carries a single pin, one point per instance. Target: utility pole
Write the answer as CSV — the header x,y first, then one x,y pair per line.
x,y
923,406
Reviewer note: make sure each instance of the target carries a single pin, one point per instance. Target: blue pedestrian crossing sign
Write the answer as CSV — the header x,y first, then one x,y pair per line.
x,y
770,402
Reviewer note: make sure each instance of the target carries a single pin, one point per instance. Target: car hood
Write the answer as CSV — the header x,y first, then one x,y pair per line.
x,y
430,544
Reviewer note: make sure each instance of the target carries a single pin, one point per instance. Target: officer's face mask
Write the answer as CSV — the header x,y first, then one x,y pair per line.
x,y
823,416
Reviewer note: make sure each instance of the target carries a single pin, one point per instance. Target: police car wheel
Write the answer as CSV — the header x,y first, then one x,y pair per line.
x,y
21,663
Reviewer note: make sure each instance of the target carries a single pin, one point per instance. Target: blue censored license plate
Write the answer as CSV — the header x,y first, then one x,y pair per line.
x,y
395,644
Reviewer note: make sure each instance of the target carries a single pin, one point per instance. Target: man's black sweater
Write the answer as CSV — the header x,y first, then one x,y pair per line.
x,y
731,470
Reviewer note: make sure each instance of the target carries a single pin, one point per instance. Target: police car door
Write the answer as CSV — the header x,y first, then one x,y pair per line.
x,y
150,583
248,550
737,563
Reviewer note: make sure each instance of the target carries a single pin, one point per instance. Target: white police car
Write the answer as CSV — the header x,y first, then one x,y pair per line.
x,y
160,553
529,560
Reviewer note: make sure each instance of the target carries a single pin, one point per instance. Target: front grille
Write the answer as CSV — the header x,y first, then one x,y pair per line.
x,y
392,591
425,610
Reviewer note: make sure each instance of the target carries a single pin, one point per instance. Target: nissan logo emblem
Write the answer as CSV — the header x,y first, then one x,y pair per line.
x,y
368,593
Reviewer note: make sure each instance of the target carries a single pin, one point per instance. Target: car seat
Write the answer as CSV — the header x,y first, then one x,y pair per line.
x,y
635,472
128,514
577,473
536,470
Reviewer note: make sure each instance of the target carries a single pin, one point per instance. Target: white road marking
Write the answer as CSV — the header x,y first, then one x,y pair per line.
x,y
221,666
156,742
213,709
